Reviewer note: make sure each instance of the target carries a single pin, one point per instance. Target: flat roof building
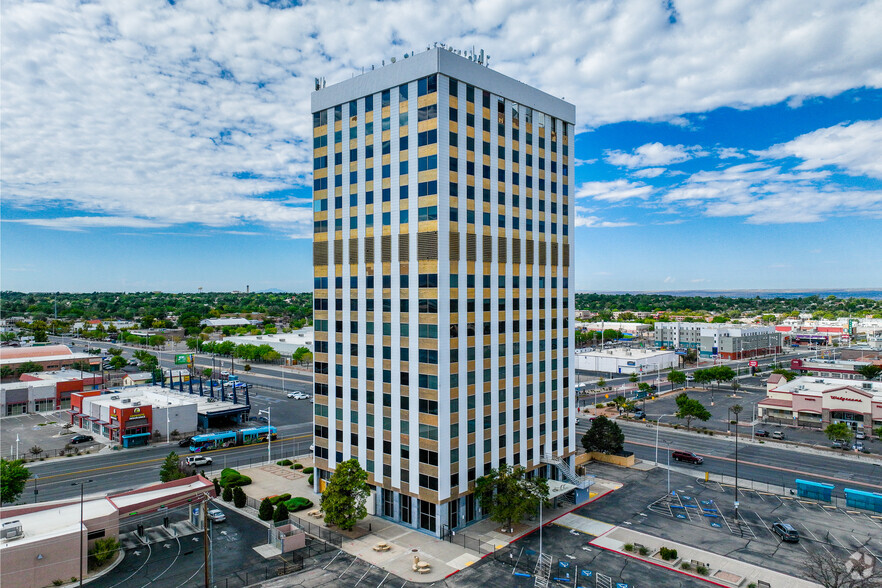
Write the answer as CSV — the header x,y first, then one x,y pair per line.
x,y
49,357
817,402
285,343
626,361
443,297
722,340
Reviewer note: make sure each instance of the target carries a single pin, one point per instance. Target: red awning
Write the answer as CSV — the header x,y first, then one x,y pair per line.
x,y
777,402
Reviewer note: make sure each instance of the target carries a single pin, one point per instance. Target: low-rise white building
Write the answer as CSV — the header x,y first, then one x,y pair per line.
x,y
626,361
284,343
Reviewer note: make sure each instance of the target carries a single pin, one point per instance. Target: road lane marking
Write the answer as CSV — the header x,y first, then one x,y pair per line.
x,y
160,459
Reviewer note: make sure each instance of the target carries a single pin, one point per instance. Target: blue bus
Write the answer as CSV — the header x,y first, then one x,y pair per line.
x,y
201,443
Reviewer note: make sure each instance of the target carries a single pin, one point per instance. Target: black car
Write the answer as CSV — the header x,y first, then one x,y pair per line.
x,y
185,442
786,532
82,439
259,419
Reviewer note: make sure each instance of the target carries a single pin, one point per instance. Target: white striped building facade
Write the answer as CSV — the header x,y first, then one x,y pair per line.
x,y
443,208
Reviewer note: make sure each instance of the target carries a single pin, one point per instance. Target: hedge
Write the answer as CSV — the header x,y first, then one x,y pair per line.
x,y
274,500
297,503
307,470
230,478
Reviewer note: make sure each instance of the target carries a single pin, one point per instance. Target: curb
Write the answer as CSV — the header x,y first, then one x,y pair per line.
x,y
658,565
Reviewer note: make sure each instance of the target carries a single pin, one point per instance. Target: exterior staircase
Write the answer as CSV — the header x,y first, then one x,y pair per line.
x,y
569,474
542,571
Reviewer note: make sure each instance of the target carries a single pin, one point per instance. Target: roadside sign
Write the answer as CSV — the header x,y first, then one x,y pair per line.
x,y
753,363
182,358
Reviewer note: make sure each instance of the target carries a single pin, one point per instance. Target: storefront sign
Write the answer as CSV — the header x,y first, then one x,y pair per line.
x,y
846,399
137,414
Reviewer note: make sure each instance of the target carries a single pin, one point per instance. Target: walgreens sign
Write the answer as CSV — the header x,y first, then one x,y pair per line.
x,y
846,399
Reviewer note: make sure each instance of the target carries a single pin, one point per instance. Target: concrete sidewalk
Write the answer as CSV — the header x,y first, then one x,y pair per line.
x,y
445,557
721,570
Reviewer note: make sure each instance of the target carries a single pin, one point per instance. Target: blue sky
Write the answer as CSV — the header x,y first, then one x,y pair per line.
x,y
722,145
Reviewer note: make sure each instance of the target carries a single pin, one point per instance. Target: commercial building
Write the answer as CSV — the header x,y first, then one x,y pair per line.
x,y
443,199
45,542
626,361
130,415
831,368
49,357
229,322
627,328
726,341
45,391
285,343
817,402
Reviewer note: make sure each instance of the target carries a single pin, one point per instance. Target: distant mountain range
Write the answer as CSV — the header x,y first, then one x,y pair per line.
x,y
874,294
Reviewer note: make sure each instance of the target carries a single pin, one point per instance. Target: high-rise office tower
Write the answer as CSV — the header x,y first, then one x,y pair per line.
x,y
443,208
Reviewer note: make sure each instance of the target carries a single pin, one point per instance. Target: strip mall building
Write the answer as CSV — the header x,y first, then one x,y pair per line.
x,y
818,402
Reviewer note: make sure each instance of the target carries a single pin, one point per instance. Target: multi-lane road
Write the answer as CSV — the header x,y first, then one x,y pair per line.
x,y
759,462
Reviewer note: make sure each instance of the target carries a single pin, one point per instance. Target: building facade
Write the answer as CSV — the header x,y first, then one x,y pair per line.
x,y
443,289
726,341
818,402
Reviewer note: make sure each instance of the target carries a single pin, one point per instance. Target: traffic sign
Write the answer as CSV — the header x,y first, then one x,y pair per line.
x,y
753,363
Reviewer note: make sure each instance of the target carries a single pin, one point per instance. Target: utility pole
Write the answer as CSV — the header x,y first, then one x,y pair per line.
x,y
737,410
205,540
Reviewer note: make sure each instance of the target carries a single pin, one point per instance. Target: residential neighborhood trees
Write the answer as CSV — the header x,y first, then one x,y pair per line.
x,y
343,500
508,496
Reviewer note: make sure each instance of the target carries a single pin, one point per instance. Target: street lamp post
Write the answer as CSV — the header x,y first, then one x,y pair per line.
x,y
656,437
269,433
737,410
82,485
35,488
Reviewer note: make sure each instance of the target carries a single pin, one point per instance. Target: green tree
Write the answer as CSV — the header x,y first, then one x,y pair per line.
x,y
227,495
633,378
239,498
114,351
601,383
217,487
343,500
691,356
604,436
281,514
6,372
299,353
156,340
13,478
644,388
207,372
28,367
870,371
265,512
735,387
689,409
508,496
171,468
118,362
836,431
878,431
676,378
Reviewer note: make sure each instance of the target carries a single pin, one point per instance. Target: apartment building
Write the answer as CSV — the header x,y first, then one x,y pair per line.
x,y
726,341
443,209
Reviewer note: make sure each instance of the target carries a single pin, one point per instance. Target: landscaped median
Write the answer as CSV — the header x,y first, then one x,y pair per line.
x,y
694,562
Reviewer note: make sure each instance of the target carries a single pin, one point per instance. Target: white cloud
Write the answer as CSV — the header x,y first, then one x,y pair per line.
x,y
669,280
729,153
649,172
653,154
595,222
698,280
766,195
614,191
78,223
198,112
853,148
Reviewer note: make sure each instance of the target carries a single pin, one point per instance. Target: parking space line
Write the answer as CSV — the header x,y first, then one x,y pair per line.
x,y
836,539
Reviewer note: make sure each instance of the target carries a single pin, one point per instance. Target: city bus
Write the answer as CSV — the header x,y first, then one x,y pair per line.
x,y
201,443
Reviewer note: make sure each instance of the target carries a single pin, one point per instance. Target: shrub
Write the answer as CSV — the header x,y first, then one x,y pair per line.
x,y
228,494
284,462
217,487
701,570
239,498
297,503
265,512
103,550
667,554
298,466
279,498
307,470
598,405
58,582
629,547
311,479
231,478
643,550
685,566
281,513
610,404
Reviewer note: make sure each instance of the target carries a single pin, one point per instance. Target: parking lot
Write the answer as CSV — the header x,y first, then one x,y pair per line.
x,y
44,430
705,513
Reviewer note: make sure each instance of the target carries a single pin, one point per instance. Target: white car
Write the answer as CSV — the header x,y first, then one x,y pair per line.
x,y
198,460
216,515
298,395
